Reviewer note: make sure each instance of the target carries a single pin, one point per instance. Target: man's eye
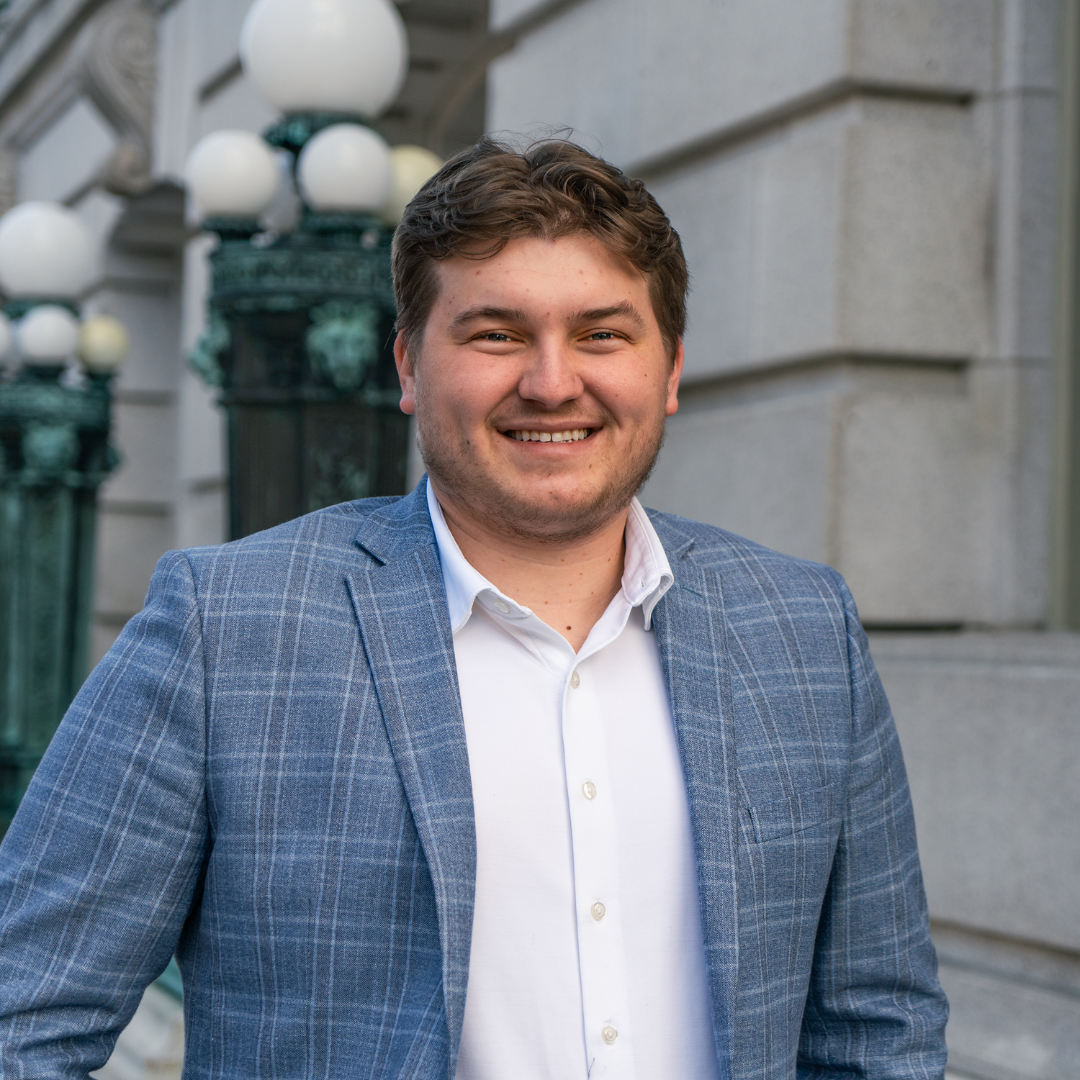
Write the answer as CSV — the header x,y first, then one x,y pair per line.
x,y
494,335
602,335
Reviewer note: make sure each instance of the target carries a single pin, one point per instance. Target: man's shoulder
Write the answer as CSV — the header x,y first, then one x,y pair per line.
x,y
743,561
331,537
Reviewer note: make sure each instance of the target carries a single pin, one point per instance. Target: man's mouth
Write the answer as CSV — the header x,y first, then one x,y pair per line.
x,y
571,435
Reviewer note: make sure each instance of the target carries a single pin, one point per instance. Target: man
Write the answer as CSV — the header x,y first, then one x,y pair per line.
x,y
504,779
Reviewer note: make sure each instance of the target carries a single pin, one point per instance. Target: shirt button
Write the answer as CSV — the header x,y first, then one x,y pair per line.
x,y
588,789
575,680
598,911
609,1034
500,606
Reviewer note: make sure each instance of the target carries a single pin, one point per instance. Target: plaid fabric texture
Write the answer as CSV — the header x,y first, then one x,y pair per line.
x,y
268,775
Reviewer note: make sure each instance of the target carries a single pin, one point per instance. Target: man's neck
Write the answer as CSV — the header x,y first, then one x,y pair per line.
x,y
567,585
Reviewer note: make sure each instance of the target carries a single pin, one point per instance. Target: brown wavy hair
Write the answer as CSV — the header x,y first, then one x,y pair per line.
x,y
492,193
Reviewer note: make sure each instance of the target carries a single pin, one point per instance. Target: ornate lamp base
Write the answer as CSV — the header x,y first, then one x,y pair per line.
x,y
55,453
299,340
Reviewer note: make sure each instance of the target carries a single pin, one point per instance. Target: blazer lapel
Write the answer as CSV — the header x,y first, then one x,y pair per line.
x,y
689,625
401,606
400,603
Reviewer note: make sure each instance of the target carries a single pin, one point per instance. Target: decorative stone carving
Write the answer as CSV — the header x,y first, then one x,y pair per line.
x,y
119,76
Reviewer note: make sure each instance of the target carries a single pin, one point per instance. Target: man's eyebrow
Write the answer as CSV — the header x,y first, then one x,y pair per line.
x,y
625,309
510,315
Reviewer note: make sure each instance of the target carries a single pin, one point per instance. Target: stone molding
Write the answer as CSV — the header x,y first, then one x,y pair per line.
x,y
110,60
118,74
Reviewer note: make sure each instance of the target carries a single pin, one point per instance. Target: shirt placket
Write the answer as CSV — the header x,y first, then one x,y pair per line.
x,y
594,840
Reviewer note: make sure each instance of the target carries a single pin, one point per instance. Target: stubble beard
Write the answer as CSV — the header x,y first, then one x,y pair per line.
x,y
504,511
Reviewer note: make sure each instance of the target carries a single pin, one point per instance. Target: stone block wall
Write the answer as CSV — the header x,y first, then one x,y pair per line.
x,y
867,192
865,266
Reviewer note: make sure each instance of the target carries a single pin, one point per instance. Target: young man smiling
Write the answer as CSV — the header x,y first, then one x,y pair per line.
x,y
540,387
507,778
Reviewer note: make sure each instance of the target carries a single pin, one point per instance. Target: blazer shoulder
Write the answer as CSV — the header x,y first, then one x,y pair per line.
x,y
326,536
737,558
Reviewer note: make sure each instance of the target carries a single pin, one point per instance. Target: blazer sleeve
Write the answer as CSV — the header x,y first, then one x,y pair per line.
x,y
99,868
874,1007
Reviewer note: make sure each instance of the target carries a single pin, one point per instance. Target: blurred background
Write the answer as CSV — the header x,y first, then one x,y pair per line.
x,y
879,204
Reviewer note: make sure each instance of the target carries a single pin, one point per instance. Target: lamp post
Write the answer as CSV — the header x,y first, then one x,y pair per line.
x,y
298,336
54,453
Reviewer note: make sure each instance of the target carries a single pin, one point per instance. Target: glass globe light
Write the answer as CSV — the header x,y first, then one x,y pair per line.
x,y
345,167
412,167
47,334
6,339
232,174
103,344
45,250
344,56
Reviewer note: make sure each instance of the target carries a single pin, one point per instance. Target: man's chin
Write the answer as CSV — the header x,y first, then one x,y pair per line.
x,y
550,516
552,508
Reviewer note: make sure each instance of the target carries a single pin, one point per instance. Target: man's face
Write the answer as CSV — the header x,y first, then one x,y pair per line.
x,y
541,387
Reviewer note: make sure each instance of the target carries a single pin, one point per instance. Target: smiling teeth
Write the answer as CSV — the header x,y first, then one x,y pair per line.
x,y
575,435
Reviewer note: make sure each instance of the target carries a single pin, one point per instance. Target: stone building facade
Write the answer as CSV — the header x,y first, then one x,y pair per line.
x,y
878,200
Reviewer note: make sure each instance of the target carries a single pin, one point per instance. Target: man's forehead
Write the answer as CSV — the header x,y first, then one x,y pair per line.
x,y
621,309
495,280
519,252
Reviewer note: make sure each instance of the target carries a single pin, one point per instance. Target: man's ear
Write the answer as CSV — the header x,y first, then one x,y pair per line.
x,y
674,375
406,374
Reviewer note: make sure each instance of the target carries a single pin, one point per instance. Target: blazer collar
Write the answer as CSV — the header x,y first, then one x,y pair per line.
x,y
405,626
401,608
398,528
690,627
646,575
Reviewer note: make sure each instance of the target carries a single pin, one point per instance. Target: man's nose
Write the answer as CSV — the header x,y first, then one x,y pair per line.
x,y
551,377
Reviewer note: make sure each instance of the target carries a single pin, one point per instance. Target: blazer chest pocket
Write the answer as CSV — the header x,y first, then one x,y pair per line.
x,y
791,815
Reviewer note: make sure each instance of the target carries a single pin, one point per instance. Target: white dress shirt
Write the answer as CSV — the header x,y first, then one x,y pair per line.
x,y
587,957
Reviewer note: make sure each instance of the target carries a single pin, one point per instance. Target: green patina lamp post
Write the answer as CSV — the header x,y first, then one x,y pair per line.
x,y
299,327
54,454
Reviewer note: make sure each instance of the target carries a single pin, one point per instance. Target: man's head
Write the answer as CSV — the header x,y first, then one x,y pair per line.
x,y
541,304
490,194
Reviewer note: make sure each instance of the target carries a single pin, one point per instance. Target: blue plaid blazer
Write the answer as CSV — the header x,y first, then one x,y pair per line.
x,y
268,775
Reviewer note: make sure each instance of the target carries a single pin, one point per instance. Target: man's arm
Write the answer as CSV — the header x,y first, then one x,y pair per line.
x,y
99,867
874,1007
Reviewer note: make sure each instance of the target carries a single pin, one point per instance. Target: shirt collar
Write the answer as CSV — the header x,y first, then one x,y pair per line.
x,y
646,571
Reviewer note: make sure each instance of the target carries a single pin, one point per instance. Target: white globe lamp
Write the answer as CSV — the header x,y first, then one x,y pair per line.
x,y
103,344
346,56
412,167
47,334
46,251
232,174
6,338
346,167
